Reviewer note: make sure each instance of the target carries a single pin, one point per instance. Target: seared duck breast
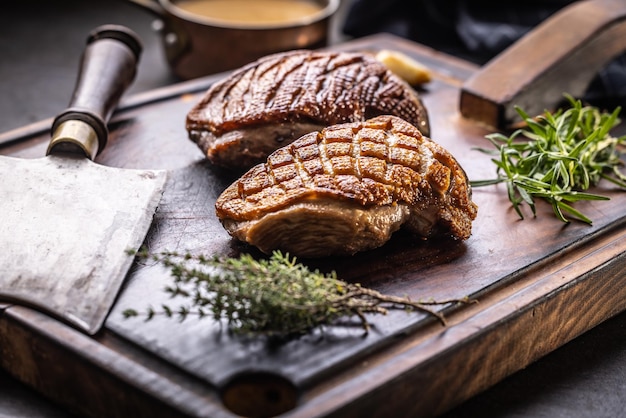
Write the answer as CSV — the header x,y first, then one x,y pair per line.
x,y
271,102
346,189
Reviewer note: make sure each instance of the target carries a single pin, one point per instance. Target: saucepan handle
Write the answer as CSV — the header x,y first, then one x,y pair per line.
x,y
561,55
108,66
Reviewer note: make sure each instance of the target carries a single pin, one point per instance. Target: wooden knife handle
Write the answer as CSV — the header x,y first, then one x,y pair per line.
x,y
108,66
561,55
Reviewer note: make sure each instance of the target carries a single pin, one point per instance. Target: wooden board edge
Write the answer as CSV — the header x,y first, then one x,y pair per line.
x,y
89,378
407,380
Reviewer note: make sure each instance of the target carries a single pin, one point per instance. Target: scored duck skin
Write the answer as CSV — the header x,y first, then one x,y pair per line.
x,y
347,189
271,102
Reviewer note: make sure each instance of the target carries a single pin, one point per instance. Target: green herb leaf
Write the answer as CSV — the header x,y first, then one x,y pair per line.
x,y
557,157
276,296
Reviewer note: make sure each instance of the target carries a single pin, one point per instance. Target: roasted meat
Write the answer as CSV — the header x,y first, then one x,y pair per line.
x,y
275,100
347,189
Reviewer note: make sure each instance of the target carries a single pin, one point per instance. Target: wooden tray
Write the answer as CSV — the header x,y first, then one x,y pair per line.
x,y
539,284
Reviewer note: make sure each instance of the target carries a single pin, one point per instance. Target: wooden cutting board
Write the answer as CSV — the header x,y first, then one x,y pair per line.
x,y
539,283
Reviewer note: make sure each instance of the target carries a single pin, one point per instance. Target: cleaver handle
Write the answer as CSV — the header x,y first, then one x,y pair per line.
x,y
107,67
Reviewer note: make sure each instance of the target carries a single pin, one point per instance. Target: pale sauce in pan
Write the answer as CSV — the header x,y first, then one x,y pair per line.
x,y
252,11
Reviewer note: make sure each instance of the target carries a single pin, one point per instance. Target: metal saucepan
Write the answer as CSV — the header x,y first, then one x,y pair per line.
x,y
196,45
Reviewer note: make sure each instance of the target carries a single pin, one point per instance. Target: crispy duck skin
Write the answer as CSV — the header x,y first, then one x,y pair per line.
x,y
271,102
347,189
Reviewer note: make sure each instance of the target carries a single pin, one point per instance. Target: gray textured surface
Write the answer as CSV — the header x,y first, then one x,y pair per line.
x,y
40,42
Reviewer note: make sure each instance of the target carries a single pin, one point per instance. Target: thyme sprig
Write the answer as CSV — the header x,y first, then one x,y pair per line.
x,y
557,157
276,296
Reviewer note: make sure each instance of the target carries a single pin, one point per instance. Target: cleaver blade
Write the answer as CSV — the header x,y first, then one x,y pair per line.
x,y
68,223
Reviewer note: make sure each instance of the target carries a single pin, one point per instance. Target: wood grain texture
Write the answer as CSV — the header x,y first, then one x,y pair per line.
x,y
539,283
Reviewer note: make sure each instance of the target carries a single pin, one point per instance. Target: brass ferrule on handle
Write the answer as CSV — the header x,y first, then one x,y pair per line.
x,y
75,137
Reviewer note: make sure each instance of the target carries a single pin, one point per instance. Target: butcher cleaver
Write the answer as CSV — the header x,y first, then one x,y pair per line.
x,y
67,223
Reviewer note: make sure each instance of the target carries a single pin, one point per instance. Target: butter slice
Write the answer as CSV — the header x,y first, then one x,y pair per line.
x,y
405,67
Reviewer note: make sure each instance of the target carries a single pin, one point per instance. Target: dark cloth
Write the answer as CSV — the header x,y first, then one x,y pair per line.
x,y
475,30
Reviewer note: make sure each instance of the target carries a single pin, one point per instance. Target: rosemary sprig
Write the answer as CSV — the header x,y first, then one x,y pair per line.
x,y
276,296
557,158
